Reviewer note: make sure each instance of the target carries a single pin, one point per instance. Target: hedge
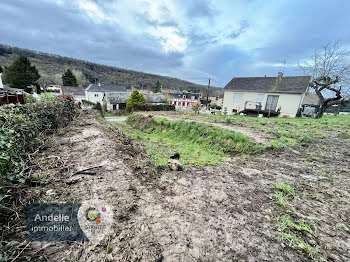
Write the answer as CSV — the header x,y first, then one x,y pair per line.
x,y
21,130
152,107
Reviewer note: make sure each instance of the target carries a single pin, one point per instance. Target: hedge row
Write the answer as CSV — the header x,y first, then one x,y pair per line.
x,y
21,130
152,107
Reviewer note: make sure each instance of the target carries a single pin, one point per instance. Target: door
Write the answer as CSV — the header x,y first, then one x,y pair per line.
x,y
271,102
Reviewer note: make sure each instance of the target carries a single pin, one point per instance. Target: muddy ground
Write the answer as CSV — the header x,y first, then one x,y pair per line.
x,y
213,213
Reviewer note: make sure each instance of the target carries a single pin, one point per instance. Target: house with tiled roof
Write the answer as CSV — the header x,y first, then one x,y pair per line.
x,y
77,92
96,92
280,96
117,100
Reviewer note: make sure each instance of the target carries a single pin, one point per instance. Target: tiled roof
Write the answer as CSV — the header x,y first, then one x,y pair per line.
x,y
155,98
73,90
283,84
118,97
122,97
105,88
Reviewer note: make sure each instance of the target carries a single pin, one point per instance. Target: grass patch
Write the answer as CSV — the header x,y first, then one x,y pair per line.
x,y
208,137
289,131
46,95
159,148
198,144
344,135
289,230
298,243
281,199
287,189
284,223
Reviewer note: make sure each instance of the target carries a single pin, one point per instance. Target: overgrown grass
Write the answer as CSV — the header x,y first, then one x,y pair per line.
x,y
198,144
209,137
288,131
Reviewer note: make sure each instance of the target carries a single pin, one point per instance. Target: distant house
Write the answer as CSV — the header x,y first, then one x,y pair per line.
x,y
166,91
77,92
117,100
271,96
53,88
146,91
96,92
185,100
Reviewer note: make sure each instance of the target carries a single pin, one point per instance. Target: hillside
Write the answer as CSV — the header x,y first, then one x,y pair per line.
x,y
52,66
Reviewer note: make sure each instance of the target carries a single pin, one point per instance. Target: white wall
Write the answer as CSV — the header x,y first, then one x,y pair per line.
x,y
289,103
1,86
94,96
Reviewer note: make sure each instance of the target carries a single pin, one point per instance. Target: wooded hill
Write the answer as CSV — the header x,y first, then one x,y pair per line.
x,y
52,67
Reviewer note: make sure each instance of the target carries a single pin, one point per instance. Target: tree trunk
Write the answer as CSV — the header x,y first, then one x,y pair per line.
x,y
321,111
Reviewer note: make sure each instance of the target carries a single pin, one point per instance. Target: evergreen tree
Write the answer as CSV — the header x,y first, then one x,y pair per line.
x,y
69,79
21,74
136,98
157,87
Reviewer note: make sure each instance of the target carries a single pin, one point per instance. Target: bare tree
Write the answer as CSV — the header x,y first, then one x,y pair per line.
x,y
330,69
44,81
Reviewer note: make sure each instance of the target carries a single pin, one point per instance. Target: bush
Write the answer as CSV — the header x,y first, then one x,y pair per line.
x,y
29,99
87,102
21,129
136,98
196,107
151,107
99,108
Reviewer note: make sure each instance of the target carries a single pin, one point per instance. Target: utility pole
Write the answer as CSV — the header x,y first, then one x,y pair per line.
x,y
208,93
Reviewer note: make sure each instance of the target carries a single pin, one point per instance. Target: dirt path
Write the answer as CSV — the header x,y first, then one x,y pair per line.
x,y
258,137
215,213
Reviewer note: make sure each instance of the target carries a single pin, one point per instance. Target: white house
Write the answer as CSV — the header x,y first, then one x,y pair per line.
x,y
271,96
96,92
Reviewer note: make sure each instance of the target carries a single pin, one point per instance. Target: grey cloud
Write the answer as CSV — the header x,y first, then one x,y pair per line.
x,y
44,27
242,29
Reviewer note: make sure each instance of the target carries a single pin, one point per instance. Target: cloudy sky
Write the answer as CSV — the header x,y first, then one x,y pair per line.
x,y
188,39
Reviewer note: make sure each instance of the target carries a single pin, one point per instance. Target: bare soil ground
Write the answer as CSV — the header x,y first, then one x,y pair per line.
x,y
258,137
213,213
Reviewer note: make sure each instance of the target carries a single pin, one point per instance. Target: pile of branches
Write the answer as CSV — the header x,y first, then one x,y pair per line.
x,y
22,132
22,128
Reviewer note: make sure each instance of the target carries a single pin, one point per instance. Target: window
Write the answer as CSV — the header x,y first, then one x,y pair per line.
x,y
96,95
271,102
260,98
238,97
